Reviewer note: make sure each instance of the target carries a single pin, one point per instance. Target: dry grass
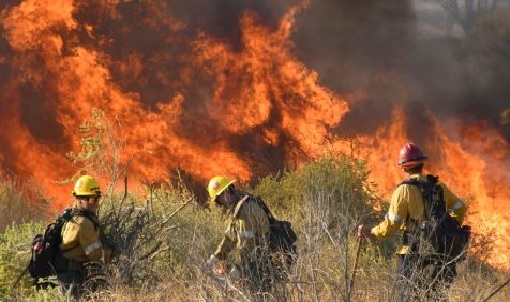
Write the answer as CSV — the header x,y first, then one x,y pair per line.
x,y
20,201
161,257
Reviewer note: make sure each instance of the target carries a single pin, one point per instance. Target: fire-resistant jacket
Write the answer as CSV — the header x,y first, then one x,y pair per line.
x,y
81,242
248,229
407,203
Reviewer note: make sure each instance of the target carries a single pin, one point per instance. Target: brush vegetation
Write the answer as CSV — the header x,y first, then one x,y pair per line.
x,y
161,254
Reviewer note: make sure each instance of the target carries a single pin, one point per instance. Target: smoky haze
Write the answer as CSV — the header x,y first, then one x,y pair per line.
x,y
373,47
245,88
379,48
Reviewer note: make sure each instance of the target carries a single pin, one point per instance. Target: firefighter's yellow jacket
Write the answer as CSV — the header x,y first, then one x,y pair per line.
x,y
81,241
248,229
406,204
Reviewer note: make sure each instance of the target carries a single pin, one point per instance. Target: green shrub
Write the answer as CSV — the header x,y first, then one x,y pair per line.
x,y
160,256
14,256
342,181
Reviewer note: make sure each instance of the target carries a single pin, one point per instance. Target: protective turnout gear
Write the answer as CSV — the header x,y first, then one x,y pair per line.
x,y
248,229
82,253
81,241
414,204
410,156
407,204
217,185
81,249
248,232
86,185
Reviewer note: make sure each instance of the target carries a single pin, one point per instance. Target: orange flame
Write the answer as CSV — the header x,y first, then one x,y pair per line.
x,y
242,112
245,98
474,165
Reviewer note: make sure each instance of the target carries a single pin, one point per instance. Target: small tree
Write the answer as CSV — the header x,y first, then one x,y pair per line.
x,y
100,149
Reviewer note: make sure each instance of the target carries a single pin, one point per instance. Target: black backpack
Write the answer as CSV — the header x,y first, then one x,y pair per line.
x,y
282,240
45,249
438,235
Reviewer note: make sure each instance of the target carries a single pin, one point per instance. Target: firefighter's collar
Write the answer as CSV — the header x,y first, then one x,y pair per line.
x,y
416,176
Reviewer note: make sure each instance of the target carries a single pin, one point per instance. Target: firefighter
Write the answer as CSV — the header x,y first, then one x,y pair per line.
x,y
407,206
81,246
247,232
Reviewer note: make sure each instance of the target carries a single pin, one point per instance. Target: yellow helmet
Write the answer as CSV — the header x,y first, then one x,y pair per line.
x,y
217,185
86,185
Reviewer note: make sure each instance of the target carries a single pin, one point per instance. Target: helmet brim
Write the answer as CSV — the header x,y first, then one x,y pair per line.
x,y
212,199
412,163
86,194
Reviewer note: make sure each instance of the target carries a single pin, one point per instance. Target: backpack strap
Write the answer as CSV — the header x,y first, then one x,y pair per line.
x,y
413,182
427,189
240,205
260,202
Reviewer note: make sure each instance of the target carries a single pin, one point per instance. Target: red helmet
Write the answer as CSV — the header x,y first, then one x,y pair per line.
x,y
410,156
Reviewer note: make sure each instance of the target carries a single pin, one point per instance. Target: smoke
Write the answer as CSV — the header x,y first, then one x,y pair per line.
x,y
359,48
136,59
247,87
376,52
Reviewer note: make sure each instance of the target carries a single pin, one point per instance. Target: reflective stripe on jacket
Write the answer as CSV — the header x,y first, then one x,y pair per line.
x,y
407,200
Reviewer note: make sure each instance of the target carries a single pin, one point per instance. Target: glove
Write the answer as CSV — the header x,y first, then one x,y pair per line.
x,y
234,273
212,260
364,231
